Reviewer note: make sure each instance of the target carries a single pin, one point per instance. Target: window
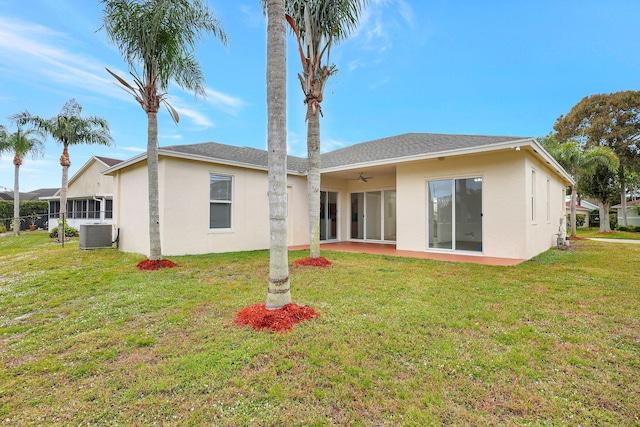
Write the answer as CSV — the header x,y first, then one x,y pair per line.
x,y
548,200
80,209
220,200
94,209
54,209
108,213
533,195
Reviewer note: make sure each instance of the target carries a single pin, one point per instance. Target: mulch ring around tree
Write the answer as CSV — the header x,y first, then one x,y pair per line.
x,y
313,262
281,320
148,264
578,238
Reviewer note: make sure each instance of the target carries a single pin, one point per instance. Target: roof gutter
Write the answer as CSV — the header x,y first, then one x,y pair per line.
x,y
168,153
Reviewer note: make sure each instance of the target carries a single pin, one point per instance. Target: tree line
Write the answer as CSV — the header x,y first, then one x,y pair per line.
x,y
596,142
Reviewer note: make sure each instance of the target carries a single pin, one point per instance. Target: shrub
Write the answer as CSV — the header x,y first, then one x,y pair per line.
x,y
613,220
29,207
623,228
580,218
2,229
68,232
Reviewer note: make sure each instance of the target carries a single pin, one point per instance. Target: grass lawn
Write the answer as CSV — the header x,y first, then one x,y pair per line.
x,y
593,232
87,339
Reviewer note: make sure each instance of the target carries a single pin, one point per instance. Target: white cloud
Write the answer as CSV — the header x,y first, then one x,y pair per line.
x,y
329,144
133,149
222,101
37,53
197,117
296,145
379,24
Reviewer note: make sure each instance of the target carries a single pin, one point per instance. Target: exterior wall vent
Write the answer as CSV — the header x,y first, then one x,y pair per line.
x,y
95,236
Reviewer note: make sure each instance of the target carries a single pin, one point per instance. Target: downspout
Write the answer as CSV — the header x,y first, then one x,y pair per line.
x,y
103,205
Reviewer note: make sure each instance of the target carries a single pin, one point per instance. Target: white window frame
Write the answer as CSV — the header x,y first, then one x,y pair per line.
x,y
533,196
548,200
218,201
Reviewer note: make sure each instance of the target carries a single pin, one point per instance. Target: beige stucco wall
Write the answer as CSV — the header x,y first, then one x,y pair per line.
x,y
184,209
506,231
298,218
549,206
131,209
91,181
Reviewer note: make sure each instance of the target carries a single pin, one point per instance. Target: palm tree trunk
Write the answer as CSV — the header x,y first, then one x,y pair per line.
x,y
572,217
155,250
279,293
313,181
65,162
16,195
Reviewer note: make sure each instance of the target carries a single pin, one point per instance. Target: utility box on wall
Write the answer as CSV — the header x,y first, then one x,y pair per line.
x,y
95,236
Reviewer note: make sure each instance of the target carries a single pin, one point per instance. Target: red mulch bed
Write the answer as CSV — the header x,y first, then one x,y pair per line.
x,y
606,232
578,238
148,264
282,320
313,262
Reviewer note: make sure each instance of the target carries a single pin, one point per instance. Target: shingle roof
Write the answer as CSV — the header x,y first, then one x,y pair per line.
x,y
31,195
44,192
242,155
394,147
629,203
109,162
406,145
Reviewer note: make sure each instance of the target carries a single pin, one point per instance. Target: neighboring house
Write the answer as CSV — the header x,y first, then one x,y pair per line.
x,y
41,217
580,210
633,212
89,197
483,195
31,195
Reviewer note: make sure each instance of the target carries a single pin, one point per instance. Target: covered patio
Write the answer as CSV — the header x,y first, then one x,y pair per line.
x,y
390,250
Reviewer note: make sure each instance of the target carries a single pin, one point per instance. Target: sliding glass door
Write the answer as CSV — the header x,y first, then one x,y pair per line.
x,y
373,215
455,214
328,215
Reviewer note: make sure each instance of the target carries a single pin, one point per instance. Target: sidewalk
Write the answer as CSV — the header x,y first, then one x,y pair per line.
x,y
635,242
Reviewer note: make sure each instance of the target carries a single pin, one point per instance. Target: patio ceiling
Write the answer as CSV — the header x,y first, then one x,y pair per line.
x,y
352,174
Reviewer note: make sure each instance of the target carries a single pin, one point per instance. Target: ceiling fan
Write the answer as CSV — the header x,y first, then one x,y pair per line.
x,y
363,178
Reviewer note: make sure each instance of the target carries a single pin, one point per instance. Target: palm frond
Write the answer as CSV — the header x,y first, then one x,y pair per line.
x,y
172,111
157,38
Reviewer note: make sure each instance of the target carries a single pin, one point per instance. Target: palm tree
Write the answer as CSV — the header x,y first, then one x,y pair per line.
x,y
156,39
579,162
21,143
279,293
317,25
69,128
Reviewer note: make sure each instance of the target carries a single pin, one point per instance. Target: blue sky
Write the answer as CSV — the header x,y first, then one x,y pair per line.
x,y
499,67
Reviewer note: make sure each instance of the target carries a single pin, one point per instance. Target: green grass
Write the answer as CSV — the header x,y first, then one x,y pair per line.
x,y
594,232
87,339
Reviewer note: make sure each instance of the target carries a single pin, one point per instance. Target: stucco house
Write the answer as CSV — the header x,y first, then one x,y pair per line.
x,y
581,209
633,212
89,195
479,195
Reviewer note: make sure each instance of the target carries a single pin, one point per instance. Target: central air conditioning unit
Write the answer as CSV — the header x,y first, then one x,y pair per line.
x,y
95,236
